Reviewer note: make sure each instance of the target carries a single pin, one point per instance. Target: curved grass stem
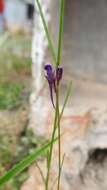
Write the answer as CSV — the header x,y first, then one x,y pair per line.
x,y
51,149
59,139
55,127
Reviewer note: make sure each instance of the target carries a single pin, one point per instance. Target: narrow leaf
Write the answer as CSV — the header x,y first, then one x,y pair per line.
x,y
47,158
23,164
68,92
46,31
60,31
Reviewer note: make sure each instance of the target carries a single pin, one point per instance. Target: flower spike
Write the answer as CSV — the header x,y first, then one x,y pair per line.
x,y
53,79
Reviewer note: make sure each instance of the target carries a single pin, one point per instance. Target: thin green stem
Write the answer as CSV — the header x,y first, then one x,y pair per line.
x,y
51,148
60,32
68,92
59,139
51,46
57,92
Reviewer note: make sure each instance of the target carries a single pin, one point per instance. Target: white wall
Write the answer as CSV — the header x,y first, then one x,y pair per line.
x,y
15,12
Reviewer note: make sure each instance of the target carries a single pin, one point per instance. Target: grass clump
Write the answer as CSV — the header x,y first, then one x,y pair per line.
x,y
10,95
15,71
15,77
26,145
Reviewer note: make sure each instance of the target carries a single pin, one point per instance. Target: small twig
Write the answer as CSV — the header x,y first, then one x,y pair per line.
x,y
41,173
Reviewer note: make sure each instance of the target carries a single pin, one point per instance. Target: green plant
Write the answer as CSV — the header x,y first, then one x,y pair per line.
x,y
54,77
24,164
23,146
15,74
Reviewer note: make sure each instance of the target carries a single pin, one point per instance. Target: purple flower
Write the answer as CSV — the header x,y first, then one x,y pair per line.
x,y
49,73
53,78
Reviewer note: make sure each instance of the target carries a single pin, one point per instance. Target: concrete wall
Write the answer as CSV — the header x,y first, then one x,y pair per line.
x,y
15,13
85,38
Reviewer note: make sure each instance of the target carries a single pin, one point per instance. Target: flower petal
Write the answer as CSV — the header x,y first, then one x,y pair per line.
x,y
49,73
51,80
48,68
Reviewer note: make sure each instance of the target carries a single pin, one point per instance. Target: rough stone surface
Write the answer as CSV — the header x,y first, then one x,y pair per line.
x,y
84,128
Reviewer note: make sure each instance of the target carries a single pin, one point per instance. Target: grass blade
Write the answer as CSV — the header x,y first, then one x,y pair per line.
x,y
23,164
66,98
46,31
60,31
49,154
